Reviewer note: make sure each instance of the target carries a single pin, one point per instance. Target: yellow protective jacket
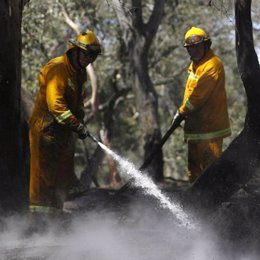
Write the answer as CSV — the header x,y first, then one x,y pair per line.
x,y
58,110
205,101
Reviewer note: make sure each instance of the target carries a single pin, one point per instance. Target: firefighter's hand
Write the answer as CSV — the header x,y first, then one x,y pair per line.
x,y
178,118
82,131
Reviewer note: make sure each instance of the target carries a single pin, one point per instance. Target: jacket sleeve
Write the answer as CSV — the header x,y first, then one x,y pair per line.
x,y
199,88
55,96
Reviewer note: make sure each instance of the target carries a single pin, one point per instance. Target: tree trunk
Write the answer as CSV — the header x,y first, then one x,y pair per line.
x,y
27,105
241,160
138,38
12,189
147,105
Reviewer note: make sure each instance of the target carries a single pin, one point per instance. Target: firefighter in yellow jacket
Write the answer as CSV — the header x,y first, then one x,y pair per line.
x,y
204,106
58,112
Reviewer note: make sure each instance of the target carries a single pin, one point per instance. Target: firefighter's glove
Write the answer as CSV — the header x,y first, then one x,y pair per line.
x,y
82,131
178,118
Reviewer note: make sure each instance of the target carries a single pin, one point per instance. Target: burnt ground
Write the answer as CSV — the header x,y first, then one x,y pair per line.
x,y
133,225
235,222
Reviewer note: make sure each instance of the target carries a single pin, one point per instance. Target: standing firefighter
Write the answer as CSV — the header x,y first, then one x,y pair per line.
x,y
204,106
58,112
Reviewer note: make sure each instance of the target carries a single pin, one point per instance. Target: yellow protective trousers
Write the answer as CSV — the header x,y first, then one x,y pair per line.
x,y
201,153
52,166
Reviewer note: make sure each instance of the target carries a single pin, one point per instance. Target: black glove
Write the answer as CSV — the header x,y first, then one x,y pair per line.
x,y
178,118
82,131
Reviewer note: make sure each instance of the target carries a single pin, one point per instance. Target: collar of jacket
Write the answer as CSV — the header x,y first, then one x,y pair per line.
x,y
207,56
68,65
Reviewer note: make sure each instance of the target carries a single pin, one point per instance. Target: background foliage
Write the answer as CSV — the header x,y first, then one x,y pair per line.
x,y
46,34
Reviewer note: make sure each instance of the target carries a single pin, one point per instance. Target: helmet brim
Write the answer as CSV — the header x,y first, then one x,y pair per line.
x,y
94,48
194,40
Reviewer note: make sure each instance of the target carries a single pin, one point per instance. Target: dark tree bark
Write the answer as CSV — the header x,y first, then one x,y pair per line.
x,y
12,190
138,37
241,160
27,105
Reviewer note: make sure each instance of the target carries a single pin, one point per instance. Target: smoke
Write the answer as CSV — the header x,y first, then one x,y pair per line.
x,y
109,236
142,230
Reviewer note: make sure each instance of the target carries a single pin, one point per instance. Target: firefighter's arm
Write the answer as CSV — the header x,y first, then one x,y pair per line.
x,y
57,105
201,90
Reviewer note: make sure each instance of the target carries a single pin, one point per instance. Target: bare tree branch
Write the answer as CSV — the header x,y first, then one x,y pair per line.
x,y
155,18
124,23
137,17
90,70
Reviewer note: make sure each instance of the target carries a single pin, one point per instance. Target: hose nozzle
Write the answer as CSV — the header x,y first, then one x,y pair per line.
x,y
93,138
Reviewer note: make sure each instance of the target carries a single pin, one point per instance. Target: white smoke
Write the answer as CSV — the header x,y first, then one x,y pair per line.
x,y
106,236
140,232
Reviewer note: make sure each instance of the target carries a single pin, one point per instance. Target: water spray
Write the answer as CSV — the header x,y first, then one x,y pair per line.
x,y
148,186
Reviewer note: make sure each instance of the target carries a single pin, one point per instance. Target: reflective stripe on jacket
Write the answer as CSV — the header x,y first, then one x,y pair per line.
x,y
58,109
205,101
61,94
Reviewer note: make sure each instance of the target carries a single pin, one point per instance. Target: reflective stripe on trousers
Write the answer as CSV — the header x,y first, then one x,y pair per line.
x,y
44,209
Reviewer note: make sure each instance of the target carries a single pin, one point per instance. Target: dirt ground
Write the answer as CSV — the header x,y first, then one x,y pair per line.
x,y
134,225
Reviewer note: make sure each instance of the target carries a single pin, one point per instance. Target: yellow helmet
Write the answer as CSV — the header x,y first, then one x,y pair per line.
x,y
194,36
88,42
